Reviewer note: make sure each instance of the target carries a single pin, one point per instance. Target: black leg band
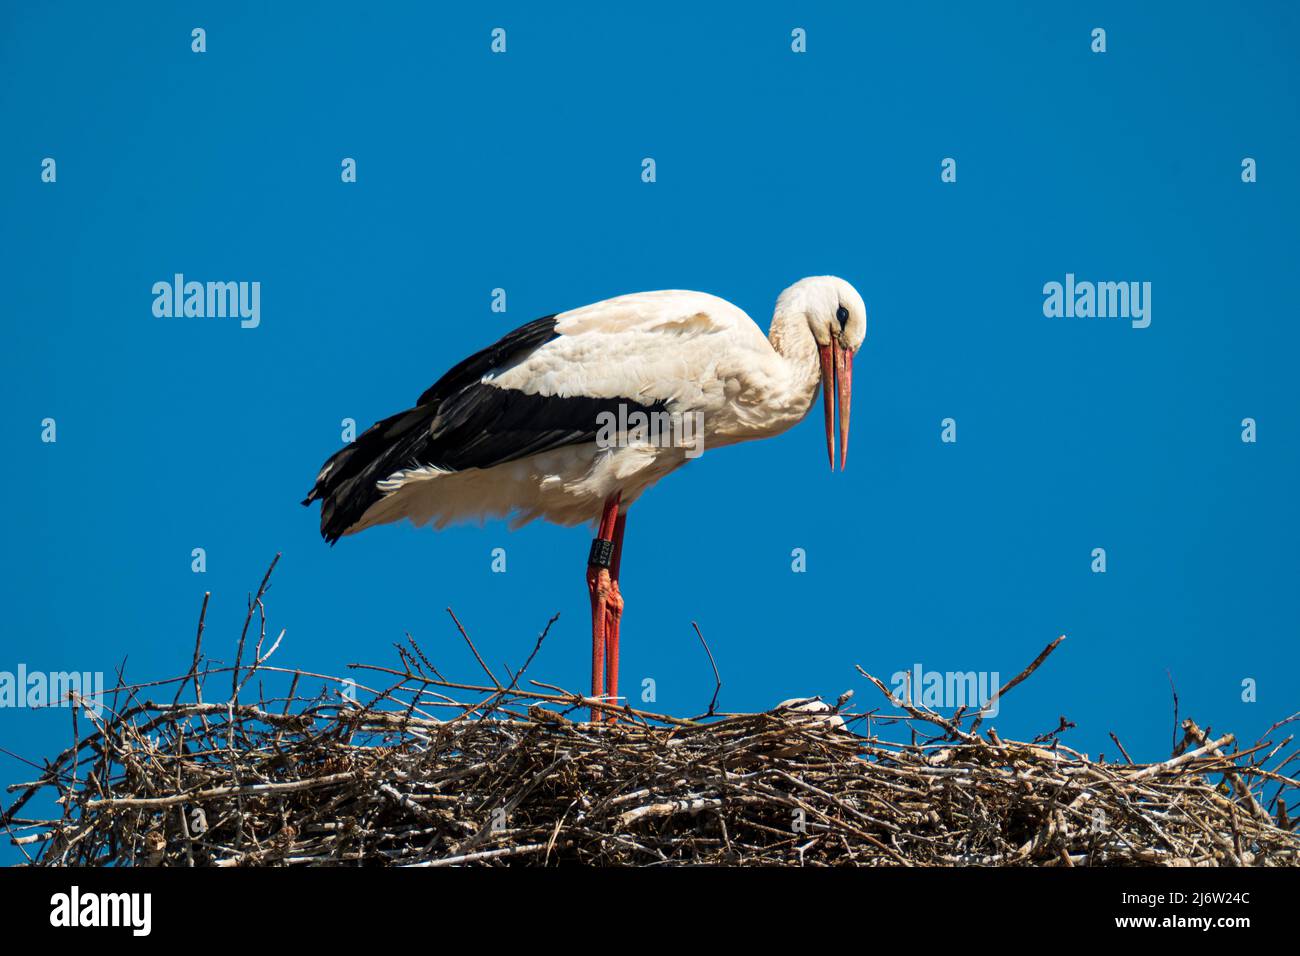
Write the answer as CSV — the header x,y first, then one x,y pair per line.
x,y
602,554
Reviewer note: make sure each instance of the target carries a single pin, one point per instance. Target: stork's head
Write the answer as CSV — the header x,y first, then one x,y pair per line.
x,y
838,320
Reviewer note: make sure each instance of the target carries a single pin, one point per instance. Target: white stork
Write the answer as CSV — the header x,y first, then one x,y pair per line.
x,y
522,428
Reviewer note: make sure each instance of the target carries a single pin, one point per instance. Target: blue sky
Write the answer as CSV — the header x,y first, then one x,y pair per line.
x,y
522,171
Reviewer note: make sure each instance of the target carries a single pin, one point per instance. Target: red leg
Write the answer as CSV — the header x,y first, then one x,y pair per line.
x,y
614,612
598,584
597,636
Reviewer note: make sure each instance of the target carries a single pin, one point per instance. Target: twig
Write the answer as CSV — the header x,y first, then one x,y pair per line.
x,y
252,606
486,670
717,687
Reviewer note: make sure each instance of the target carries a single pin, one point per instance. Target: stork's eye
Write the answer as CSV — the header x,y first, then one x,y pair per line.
x,y
843,315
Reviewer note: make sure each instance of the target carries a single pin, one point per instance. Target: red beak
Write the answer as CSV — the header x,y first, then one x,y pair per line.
x,y
837,385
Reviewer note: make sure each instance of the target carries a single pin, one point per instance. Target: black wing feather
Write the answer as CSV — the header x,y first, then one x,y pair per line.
x,y
459,423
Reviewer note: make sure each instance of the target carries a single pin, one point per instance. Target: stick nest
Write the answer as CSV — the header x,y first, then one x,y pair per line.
x,y
427,771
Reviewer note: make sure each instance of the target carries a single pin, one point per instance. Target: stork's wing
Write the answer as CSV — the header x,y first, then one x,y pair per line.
x,y
540,387
650,347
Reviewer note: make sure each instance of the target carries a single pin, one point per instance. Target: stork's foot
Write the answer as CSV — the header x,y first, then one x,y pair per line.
x,y
600,587
606,603
613,617
606,615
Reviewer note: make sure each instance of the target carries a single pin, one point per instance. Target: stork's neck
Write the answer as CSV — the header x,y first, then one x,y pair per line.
x,y
793,341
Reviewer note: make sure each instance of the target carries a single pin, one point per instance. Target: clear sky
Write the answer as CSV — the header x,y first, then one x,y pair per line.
x,y
522,171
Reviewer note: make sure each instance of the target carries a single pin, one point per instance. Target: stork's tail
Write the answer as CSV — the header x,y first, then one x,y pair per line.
x,y
348,481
